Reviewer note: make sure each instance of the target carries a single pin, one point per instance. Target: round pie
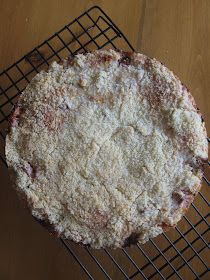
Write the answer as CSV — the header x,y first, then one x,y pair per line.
x,y
107,148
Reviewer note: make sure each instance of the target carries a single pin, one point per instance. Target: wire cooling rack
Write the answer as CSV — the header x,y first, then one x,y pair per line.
x,y
180,254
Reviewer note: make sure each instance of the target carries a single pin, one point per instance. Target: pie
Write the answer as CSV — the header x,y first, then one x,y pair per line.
x,y
107,148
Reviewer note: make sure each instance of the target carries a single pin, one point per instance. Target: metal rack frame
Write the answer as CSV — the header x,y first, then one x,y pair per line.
x,y
95,30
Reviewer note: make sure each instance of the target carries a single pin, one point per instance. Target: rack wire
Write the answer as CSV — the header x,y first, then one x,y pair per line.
x,y
181,253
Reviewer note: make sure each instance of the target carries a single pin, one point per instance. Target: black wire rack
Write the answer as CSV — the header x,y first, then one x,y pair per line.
x,y
183,253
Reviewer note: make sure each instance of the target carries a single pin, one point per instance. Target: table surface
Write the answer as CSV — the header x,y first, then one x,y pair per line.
x,y
175,32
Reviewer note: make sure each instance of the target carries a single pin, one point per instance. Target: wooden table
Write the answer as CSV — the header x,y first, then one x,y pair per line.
x,y
177,32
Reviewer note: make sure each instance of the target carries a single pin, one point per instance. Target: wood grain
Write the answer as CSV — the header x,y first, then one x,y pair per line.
x,y
177,32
